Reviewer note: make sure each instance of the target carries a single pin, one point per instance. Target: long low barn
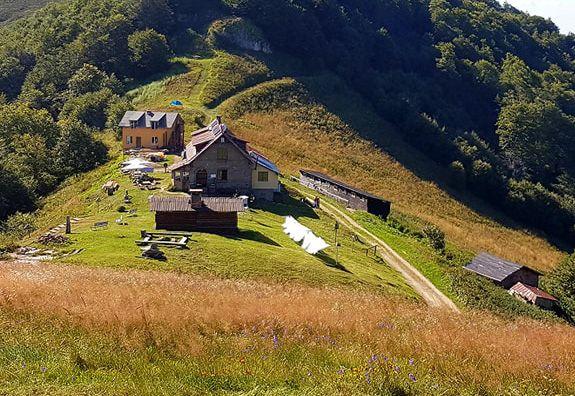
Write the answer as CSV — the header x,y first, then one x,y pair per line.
x,y
352,197
187,213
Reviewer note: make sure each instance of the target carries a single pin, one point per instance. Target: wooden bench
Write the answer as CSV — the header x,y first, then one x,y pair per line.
x,y
183,243
100,225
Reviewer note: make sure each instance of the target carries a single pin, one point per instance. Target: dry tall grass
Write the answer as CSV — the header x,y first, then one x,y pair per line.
x,y
341,153
180,310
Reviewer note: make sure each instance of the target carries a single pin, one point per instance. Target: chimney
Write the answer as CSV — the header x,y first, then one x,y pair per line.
x,y
219,118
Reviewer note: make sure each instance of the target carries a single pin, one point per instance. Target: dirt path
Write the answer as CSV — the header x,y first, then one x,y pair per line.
x,y
427,290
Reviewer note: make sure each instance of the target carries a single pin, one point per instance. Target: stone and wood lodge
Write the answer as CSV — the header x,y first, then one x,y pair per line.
x,y
351,197
221,164
152,130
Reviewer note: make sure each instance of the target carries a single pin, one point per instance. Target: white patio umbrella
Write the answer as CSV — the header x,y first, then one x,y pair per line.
x,y
138,161
138,167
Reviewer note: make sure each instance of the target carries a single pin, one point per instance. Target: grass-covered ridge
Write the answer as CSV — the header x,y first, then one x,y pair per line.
x,y
260,250
286,120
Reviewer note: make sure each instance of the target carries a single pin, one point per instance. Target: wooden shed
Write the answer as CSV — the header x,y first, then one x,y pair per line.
x,y
533,295
350,196
194,213
502,272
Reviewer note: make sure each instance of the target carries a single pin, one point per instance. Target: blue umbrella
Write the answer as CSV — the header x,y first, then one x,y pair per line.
x,y
176,103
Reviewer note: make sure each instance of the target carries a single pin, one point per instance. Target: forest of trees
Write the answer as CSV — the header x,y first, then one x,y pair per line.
x,y
484,90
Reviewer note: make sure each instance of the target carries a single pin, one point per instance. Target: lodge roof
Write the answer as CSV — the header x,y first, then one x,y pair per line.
x,y
183,203
144,119
493,267
210,134
340,184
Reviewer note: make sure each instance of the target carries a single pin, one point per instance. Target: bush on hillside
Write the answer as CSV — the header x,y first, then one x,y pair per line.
x,y
19,225
561,283
435,237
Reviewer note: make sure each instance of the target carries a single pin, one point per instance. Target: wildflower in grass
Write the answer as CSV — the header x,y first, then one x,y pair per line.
x,y
275,341
341,371
43,369
23,364
367,377
412,377
373,359
411,361
309,373
397,369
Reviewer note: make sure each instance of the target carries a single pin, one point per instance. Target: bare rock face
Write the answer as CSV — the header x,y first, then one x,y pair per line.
x,y
240,33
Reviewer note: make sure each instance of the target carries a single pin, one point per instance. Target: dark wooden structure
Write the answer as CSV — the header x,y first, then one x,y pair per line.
x,y
194,213
352,197
503,273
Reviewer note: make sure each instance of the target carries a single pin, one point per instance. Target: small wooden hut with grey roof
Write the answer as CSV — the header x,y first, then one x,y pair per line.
x,y
193,212
502,272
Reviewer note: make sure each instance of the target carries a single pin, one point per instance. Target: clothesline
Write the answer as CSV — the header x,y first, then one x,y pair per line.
x,y
299,233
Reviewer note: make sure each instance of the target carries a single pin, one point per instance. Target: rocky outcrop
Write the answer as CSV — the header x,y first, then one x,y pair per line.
x,y
240,33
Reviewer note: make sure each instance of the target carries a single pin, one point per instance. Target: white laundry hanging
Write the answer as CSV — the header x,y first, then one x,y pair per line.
x,y
317,245
308,240
299,233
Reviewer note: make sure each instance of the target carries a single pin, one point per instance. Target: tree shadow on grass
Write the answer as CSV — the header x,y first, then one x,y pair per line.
x,y
250,235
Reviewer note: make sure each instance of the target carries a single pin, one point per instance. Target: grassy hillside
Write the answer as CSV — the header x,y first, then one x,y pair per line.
x,y
260,250
297,122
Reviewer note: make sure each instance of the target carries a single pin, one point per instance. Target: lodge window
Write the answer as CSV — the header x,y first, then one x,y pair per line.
x,y
155,140
177,176
222,154
133,124
154,125
128,140
263,176
222,174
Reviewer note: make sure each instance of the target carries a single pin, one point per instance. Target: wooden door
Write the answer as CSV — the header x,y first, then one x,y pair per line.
x,y
138,142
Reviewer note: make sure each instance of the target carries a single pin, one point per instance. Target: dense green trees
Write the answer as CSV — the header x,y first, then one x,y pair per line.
x,y
149,51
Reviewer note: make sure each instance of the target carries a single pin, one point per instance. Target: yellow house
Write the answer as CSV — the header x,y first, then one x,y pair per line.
x,y
152,130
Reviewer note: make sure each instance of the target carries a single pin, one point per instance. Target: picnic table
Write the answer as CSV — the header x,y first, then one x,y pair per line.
x,y
168,239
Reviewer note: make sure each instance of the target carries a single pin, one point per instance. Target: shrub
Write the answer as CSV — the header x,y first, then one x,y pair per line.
x,y
122,209
435,236
20,225
561,283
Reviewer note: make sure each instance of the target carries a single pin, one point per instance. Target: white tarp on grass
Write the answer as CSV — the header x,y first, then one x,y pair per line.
x,y
299,233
